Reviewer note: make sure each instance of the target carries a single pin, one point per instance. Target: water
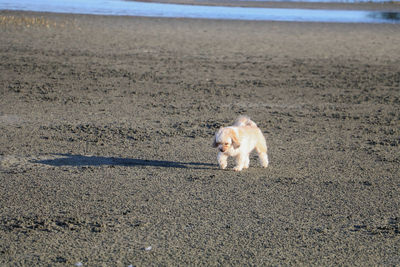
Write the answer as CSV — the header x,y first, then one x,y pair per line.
x,y
317,1
131,8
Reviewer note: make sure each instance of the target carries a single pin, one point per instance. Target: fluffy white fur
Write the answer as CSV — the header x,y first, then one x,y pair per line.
x,y
238,141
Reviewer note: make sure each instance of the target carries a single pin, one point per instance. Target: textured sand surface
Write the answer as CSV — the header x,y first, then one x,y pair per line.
x,y
106,128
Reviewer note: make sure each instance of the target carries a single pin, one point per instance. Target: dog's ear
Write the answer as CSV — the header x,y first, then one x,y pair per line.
x,y
214,144
215,137
235,139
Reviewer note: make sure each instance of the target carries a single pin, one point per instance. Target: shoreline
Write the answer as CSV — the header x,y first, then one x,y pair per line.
x,y
387,12
370,6
360,17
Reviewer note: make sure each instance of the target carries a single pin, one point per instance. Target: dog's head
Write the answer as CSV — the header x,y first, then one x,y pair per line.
x,y
225,138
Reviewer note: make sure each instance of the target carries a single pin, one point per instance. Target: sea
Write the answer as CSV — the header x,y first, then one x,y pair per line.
x,y
151,9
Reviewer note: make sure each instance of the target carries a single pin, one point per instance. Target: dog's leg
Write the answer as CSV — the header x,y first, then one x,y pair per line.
x,y
247,162
222,160
263,159
240,162
261,149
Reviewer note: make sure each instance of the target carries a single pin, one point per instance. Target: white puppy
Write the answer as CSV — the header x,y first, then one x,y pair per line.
x,y
238,141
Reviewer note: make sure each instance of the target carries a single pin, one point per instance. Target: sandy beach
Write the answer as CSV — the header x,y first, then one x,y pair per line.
x,y
106,129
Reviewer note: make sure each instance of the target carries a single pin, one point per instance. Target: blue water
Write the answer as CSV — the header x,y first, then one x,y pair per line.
x,y
316,1
131,8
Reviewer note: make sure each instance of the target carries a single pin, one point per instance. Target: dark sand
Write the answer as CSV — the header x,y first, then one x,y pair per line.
x,y
106,128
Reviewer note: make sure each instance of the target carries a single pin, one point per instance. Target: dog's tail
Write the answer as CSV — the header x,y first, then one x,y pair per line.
x,y
244,121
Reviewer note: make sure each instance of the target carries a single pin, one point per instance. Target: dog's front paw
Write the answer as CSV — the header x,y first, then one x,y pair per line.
x,y
238,168
264,160
223,166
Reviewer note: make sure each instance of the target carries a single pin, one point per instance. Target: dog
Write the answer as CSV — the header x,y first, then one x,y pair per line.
x,y
238,141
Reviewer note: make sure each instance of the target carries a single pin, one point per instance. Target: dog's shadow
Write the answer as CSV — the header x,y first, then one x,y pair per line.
x,y
81,161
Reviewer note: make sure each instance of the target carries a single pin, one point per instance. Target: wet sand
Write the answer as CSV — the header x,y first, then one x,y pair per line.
x,y
106,129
